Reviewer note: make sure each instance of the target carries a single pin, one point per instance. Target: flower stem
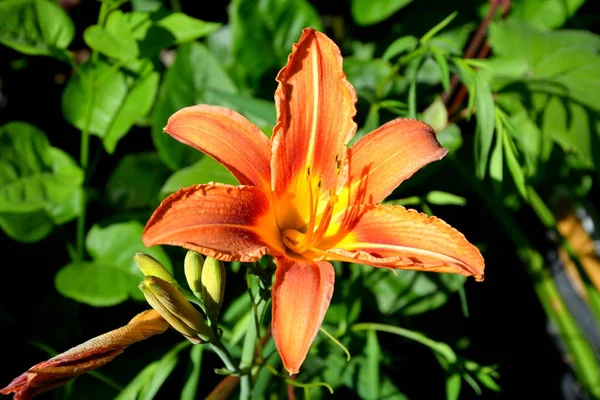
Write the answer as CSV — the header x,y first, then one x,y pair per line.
x,y
224,355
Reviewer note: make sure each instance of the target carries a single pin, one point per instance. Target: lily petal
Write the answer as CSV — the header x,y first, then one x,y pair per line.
x,y
392,236
384,158
301,296
227,137
315,106
221,221
83,358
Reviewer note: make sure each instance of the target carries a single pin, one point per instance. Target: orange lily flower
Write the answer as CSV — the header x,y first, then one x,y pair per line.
x,y
305,197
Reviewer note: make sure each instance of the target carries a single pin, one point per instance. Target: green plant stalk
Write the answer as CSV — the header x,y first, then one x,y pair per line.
x,y
549,221
85,144
224,355
579,351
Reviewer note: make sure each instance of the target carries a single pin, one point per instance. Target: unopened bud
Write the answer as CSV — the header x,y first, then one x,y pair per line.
x,y
193,272
213,286
174,307
150,266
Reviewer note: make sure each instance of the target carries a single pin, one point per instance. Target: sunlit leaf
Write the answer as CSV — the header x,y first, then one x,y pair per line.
x,y
369,12
114,40
399,46
117,100
36,27
548,14
33,174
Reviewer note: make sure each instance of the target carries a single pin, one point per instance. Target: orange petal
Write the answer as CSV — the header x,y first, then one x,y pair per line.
x,y
301,295
315,107
382,159
220,221
392,236
87,356
227,137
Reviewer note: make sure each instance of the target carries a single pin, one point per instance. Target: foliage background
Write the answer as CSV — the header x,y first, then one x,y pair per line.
x,y
544,82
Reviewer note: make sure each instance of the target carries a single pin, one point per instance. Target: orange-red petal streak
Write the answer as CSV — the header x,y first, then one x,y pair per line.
x,y
384,158
221,221
301,295
392,236
315,110
229,138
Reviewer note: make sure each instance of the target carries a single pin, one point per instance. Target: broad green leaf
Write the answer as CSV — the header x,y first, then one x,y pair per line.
x,y
115,39
370,12
185,28
263,32
36,27
530,142
189,81
147,5
191,384
95,284
399,46
164,368
116,244
545,14
33,174
136,181
117,99
203,171
112,276
436,115
409,292
26,227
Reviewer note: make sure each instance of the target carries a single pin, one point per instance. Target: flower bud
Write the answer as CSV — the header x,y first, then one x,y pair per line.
x,y
150,266
174,307
193,272
213,286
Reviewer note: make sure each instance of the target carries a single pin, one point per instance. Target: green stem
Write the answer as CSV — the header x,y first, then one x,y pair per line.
x,y
224,355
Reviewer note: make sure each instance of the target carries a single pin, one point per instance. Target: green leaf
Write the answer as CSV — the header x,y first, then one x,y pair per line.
x,y
203,171
36,27
136,181
118,99
185,28
409,292
453,384
436,115
440,59
113,276
26,227
369,371
115,39
451,137
132,390
399,46
190,80
437,28
367,75
95,284
370,12
263,32
33,174
545,14
444,198
191,384
164,368
513,164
